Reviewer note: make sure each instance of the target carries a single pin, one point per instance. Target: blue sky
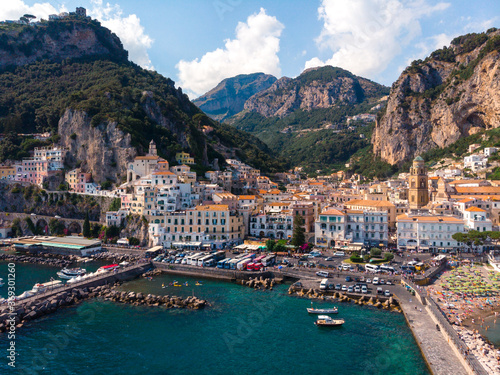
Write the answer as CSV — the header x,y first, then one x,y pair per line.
x,y
198,43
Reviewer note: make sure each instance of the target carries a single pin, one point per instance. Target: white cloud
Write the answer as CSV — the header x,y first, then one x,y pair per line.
x,y
13,9
255,49
129,30
366,35
480,26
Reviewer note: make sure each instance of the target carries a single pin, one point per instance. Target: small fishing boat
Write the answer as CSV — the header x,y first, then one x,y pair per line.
x,y
326,321
198,283
71,273
331,310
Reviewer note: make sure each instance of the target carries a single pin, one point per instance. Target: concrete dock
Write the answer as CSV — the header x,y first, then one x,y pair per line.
x,y
436,349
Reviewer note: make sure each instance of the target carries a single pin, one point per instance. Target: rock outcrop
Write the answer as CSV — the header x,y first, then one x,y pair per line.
x,y
58,40
323,87
451,94
103,150
229,96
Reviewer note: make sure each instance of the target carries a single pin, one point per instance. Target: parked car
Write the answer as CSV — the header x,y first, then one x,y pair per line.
x,y
388,282
339,254
381,281
338,287
387,293
350,289
344,288
380,290
328,259
357,289
364,290
348,278
375,281
369,281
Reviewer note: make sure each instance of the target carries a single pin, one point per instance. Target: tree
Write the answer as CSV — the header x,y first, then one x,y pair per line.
x,y
298,237
86,226
388,256
355,258
375,252
115,205
280,248
270,245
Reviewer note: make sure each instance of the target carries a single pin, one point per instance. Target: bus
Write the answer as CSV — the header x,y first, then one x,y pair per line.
x,y
194,259
233,263
205,260
222,263
242,264
259,258
372,268
269,260
219,255
385,268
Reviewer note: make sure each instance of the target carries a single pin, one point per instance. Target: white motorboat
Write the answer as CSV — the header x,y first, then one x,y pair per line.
x,y
326,321
1,282
70,273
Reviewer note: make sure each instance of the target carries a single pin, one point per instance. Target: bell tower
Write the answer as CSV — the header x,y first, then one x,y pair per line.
x,y
152,148
418,193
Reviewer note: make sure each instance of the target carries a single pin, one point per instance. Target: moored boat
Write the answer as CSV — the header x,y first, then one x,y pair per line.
x,y
326,321
107,268
1,282
70,273
332,310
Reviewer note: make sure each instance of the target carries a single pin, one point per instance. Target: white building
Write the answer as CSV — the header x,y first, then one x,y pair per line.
x,y
477,219
432,233
475,162
335,228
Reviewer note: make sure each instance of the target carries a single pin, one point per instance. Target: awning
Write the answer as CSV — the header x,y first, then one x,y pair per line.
x,y
154,249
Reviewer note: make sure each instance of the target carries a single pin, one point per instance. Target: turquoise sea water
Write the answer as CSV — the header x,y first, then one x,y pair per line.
x,y
243,332
493,331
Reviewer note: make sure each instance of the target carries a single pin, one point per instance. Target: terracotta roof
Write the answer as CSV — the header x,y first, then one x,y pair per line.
x,y
332,211
242,197
475,209
163,173
478,189
213,207
430,219
369,203
146,158
466,200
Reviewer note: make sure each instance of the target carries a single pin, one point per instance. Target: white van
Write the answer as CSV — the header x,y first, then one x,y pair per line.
x,y
372,268
324,284
375,281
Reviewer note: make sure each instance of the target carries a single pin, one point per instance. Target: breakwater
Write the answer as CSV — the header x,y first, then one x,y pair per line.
x,y
140,299
14,311
381,302
48,260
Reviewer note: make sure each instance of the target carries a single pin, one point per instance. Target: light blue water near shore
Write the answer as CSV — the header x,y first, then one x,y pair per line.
x,y
493,332
243,332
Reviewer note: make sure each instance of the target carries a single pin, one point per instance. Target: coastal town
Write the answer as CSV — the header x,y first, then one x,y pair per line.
x,y
249,215
431,231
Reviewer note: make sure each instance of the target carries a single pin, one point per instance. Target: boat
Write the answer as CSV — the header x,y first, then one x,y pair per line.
x,y
71,273
43,287
198,284
109,267
1,282
312,310
326,321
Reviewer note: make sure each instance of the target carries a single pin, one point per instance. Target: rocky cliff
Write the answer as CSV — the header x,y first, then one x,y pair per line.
x,y
103,150
451,94
324,87
229,96
69,38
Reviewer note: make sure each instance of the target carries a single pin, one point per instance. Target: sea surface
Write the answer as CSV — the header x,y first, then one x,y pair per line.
x,y
243,332
493,331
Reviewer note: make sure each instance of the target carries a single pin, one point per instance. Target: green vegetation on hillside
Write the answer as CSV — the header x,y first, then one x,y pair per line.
x,y
34,97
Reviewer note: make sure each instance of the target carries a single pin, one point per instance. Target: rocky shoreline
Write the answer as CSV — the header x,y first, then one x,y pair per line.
x,y
51,261
259,283
32,310
485,352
